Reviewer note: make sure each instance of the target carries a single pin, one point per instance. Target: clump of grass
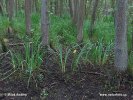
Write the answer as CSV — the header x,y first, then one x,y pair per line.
x,y
63,57
19,27
81,54
4,24
130,62
29,60
101,52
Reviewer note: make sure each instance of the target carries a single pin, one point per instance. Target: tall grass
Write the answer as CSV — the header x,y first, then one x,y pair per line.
x,y
63,57
130,61
101,52
29,59
63,37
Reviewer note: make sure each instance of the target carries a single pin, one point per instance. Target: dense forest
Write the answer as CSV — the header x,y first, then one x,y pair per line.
x,y
66,49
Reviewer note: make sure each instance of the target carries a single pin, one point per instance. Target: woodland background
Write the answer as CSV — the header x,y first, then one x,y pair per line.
x,y
66,49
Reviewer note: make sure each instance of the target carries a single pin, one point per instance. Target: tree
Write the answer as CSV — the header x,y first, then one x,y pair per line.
x,y
58,7
44,23
70,8
121,55
10,9
1,7
80,20
93,17
77,8
28,15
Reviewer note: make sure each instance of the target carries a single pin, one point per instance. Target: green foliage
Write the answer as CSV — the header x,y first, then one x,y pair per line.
x,y
61,30
130,61
4,24
63,38
19,26
101,52
30,59
81,54
63,57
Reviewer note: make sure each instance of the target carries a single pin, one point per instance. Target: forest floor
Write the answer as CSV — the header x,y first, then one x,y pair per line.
x,y
89,82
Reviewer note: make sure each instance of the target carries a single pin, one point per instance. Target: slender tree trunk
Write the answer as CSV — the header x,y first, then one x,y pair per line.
x,y
33,6
121,55
93,18
28,16
36,5
113,7
58,7
1,7
61,7
44,23
70,8
75,11
105,11
80,21
10,6
132,34
16,6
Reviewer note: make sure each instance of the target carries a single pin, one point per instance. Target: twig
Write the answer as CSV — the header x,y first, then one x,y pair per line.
x,y
20,44
95,73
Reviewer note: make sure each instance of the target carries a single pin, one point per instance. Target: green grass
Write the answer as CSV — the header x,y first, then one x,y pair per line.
x,y
30,60
63,37
130,61
63,57
4,24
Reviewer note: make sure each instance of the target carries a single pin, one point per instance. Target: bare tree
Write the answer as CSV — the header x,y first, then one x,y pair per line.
x,y
121,55
44,23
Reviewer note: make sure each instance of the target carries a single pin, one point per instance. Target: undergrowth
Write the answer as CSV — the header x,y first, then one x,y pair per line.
x,y
63,39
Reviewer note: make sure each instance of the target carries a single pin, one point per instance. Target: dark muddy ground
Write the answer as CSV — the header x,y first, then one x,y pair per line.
x,y
90,82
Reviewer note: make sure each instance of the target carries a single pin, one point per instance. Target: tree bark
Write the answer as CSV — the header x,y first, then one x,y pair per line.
x,y
1,7
10,9
121,56
80,21
28,16
70,8
93,18
44,23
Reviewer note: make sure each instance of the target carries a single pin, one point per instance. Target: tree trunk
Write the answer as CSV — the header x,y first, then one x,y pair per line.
x,y
28,16
44,23
75,11
58,7
93,18
70,8
132,34
10,9
121,55
1,7
80,21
